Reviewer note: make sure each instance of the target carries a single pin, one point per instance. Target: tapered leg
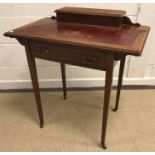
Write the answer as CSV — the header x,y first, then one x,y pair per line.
x,y
34,78
108,83
121,71
63,74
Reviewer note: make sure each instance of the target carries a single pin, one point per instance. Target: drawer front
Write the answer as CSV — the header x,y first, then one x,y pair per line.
x,y
71,56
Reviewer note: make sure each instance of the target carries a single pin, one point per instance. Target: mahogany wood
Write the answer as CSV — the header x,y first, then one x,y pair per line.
x,y
88,58
34,78
100,38
89,16
120,78
108,84
70,40
91,11
89,19
63,74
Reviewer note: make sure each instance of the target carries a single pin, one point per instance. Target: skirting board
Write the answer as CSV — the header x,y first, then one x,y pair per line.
x,y
71,83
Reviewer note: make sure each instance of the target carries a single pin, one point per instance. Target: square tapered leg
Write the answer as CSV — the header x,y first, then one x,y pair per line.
x,y
120,78
63,74
34,78
108,84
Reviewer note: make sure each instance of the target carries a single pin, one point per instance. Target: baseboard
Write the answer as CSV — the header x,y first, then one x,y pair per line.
x,y
74,83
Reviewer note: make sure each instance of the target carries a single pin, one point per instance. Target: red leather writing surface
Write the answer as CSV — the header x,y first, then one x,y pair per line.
x,y
124,38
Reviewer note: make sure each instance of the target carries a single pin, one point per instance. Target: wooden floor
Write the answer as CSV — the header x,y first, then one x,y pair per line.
x,y
75,124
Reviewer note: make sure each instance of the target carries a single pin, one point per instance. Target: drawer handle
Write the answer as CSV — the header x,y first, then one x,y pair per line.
x,y
44,49
88,59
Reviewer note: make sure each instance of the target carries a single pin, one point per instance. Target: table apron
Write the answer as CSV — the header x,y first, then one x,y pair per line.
x,y
73,56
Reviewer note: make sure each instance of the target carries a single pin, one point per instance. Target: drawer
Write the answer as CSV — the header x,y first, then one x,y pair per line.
x,y
72,56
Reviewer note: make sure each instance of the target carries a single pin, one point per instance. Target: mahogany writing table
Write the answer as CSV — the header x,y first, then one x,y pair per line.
x,y
93,38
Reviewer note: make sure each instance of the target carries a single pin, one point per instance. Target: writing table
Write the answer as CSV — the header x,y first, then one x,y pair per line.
x,y
92,38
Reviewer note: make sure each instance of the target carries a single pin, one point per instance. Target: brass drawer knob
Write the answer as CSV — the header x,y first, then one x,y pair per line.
x,y
44,49
47,50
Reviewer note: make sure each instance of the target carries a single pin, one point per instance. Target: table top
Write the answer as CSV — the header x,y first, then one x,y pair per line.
x,y
128,39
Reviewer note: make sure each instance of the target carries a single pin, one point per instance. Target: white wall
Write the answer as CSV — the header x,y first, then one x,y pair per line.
x,y
13,64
